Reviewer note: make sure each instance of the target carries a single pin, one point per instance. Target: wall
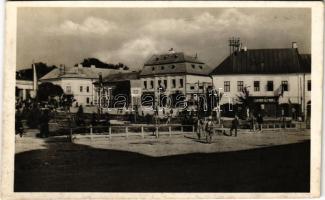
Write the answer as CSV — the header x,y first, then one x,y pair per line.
x,y
296,88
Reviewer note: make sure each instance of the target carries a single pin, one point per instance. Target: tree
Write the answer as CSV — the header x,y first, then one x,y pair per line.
x,y
99,64
66,101
47,89
245,100
41,70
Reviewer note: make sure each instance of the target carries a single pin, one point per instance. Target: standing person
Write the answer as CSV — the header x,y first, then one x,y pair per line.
x,y
252,123
209,129
259,121
18,123
199,128
44,123
234,125
293,110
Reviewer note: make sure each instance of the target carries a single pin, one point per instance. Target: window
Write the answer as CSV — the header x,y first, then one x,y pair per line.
x,y
284,85
240,86
269,86
201,67
159,83
192,87
87,89
309,85
153,68
68,88
81,88
145,84
201,87
193,66
181,83
173,66
165,83
87,100
162,67
256,86
173,83
157,59
151,84
226,86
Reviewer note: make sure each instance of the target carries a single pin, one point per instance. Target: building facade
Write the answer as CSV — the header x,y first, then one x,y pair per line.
x,y
278,81
118,90
170,77
77,81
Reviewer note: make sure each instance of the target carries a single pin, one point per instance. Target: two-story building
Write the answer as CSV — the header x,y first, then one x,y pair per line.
x,y
78,81
278,80
173,77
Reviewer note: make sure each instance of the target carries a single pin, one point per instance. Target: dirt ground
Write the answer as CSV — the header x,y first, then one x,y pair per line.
x,y
271,161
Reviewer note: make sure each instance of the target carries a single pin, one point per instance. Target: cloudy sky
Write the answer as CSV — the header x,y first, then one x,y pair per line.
x,y
131,35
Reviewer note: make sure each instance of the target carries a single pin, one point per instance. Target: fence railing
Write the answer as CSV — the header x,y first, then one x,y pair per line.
x,y
129,130
154,130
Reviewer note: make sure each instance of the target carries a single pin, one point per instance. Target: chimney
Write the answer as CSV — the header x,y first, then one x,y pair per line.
x,y
294,45
61,70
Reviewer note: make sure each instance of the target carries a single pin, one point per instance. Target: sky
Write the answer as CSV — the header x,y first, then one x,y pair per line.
x,y
131,35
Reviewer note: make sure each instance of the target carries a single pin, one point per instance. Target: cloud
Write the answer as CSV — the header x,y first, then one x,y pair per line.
x,y
134,52
91,25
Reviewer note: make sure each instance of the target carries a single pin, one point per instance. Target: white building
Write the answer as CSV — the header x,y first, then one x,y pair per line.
x,y
77,81
24,89
277,79
168,75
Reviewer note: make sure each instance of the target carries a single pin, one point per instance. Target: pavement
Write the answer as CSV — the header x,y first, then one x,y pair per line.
x,y
167,145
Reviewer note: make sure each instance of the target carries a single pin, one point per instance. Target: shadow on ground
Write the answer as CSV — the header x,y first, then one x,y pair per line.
x,y
66,167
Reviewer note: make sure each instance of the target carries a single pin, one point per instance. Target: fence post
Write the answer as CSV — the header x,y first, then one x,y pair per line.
x,y
170,131
71,139
181,128
157,132
110,132
91,132
126,131
193,128
142,132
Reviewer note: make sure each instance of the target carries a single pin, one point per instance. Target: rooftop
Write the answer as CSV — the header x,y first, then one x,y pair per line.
x,y
174,63
77,72
265,61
